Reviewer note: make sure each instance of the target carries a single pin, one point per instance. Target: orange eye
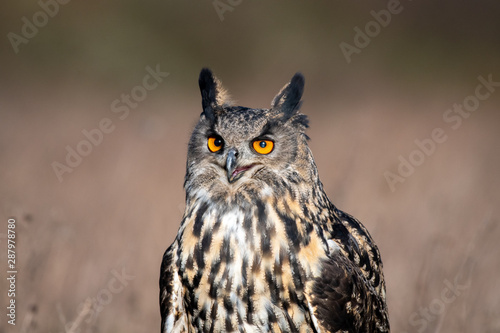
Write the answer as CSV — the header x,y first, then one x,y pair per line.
x,y
215,144
263,147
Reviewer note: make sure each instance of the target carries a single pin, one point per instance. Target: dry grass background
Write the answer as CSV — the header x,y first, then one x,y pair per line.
x,y
120,209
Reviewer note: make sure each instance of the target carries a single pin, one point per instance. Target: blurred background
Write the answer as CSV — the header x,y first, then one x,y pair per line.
x,y
98,100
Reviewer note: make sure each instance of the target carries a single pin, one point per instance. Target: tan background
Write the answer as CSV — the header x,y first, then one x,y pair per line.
x,y
120,208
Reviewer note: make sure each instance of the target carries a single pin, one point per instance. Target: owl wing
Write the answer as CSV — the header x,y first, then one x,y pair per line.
x,y
173,316
349,293
341,300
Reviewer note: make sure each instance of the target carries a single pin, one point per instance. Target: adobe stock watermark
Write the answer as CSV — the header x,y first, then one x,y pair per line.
x,y
29,28
453,117
95,136
433,312
89,310
450,292
222,6
372,29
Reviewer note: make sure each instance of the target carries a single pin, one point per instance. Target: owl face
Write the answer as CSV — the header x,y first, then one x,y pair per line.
x,y
233,146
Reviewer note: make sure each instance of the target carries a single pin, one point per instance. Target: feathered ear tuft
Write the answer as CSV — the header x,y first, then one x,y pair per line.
x,y
213,95
287,101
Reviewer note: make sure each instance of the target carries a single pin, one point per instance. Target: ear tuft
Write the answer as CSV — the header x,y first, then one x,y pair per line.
x,y
208,93
213,94
287,101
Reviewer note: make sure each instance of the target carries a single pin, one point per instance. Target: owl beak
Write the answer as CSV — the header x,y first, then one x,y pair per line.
x,y
232,155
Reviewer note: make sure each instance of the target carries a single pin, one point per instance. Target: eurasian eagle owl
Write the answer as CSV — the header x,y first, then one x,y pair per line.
x,y
261,248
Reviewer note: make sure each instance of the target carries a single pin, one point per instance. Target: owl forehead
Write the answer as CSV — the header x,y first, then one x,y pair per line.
x,y
237,123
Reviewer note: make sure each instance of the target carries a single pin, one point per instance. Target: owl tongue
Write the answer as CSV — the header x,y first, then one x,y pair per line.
x,y
241,169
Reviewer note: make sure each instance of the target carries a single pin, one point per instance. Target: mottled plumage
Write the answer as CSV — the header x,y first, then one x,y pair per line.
x,y
261,248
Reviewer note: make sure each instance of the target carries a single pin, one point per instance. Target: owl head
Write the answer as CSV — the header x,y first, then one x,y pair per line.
x,y
233,146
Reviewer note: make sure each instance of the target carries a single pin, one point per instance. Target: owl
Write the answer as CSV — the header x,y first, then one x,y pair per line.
x,y
260,247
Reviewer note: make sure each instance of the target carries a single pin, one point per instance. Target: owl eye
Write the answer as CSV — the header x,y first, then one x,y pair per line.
x,y
263,147
215,144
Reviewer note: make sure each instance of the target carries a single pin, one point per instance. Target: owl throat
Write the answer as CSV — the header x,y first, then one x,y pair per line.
x,y
246,258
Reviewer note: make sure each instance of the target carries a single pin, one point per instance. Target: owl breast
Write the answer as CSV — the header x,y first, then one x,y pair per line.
x,y
240,269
